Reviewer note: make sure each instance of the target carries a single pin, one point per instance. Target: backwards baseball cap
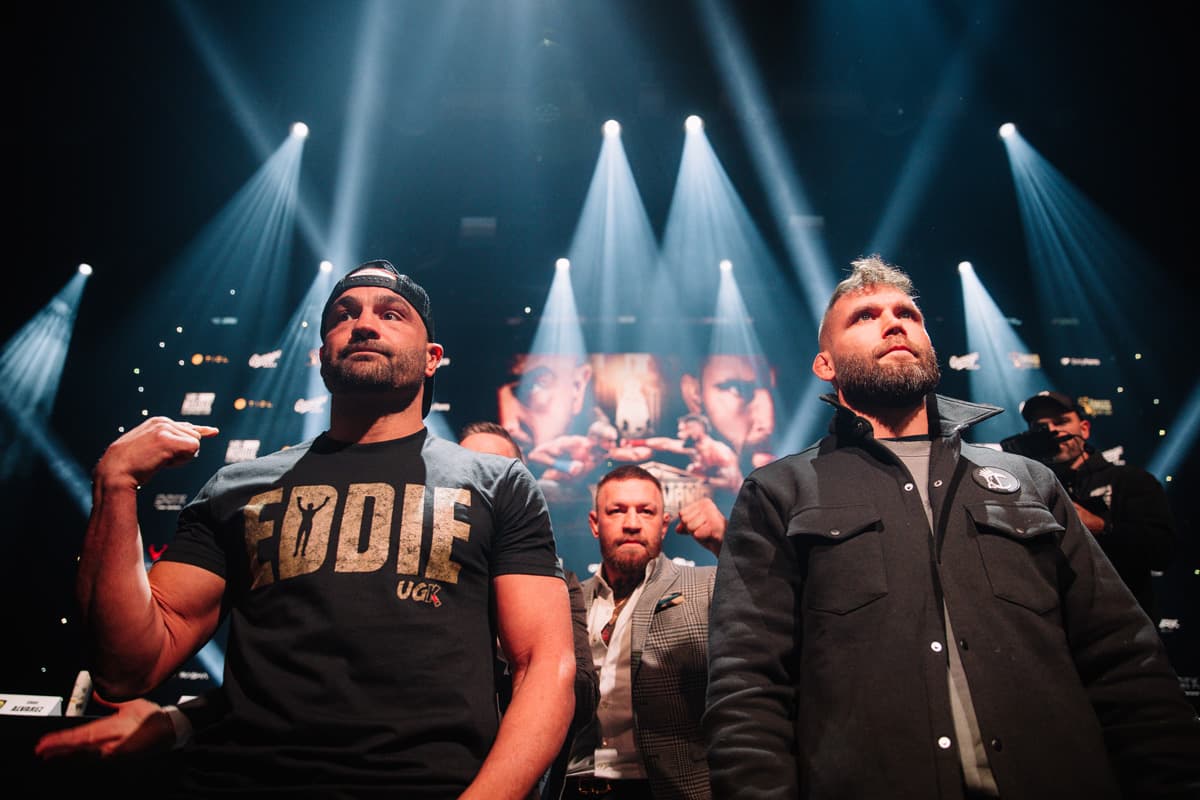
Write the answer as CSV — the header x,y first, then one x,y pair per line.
x,y
1047,403
380,272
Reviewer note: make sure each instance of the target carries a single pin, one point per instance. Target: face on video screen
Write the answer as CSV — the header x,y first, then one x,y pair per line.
x,y
543,397
735,393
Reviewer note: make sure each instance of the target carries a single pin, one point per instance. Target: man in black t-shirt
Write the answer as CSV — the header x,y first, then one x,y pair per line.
x,y
359,659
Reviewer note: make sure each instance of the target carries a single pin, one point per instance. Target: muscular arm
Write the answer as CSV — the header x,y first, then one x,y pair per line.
x,y
534,618
753,653
140,626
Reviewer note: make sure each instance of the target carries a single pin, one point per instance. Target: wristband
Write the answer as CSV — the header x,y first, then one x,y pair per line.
x,y
180,724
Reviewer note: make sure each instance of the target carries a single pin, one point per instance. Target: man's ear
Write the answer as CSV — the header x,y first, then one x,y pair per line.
x,y
594,523
433,357
689,388
822,366
1085,428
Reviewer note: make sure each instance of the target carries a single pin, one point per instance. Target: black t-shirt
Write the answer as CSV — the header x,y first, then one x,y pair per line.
x,y
361,638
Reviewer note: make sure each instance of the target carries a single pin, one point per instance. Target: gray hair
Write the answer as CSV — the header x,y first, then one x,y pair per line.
x,y
866,273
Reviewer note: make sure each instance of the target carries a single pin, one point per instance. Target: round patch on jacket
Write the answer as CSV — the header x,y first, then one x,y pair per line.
x,y
995,479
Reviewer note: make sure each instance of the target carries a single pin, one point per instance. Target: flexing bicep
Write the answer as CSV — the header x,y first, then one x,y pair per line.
x,y
188,599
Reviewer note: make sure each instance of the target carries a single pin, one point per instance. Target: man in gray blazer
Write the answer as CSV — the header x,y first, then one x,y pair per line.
x,y
648,628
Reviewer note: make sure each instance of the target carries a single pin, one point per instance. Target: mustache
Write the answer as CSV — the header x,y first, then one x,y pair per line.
x,y
894,341
365,346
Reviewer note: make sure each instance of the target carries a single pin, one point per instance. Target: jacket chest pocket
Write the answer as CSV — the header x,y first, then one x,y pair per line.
x,y
1019,547
844,556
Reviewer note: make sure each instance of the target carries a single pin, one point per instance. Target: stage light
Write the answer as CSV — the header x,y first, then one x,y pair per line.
x,y
1007,130
693,124
85,269
611,246
528,310
300,130
326,266
777,173
1002,373
726,265
562,263
612,128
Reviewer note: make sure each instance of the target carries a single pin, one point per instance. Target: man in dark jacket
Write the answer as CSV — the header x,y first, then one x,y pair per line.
x,y
899,613
1123,506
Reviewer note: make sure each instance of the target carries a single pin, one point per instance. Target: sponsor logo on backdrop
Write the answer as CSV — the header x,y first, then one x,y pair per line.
x,y
241,450
1079,361
205,358
197,404
1025,360
314,405
966,361
265,360
1096,407
169,502
241,404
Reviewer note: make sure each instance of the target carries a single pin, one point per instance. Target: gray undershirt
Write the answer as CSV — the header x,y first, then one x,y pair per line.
x,y
977,774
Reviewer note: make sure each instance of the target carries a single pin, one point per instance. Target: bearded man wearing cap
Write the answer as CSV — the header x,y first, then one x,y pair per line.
x,y
361,664
1124,507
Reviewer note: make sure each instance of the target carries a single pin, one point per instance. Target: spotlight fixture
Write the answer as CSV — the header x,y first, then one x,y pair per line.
x,y
85,269
693,124
562,263
612,128
326,266
726,265
964,267
1007,130
300,130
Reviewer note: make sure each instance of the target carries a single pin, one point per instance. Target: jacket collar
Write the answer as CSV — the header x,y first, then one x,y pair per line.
x,y
947,416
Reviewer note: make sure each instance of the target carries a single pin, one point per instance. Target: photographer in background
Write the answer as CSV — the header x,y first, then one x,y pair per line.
x,y
1123,506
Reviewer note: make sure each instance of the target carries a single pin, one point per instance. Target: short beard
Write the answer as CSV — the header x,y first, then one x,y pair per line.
x,y
630,568
866,383
402,378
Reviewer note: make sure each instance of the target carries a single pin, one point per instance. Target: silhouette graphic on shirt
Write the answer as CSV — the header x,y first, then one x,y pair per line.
x,y
306,524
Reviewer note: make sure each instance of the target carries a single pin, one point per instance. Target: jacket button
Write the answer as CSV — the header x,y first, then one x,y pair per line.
x,y
835,532
937,483
944,742
908,487
962,643
935,647
997,745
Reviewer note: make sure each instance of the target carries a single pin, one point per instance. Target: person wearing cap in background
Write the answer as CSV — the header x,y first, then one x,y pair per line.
x,y
1124,507
362,663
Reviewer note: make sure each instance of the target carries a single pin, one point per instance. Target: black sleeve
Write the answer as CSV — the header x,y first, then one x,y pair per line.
x,y
1141,519
753,651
